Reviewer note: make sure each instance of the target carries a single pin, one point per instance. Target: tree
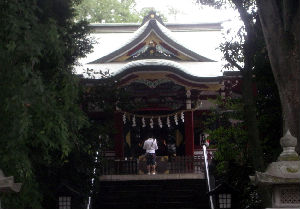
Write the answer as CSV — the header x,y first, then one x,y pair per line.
x,y
232,161
41,118
268,105
280,23
108,11
240,54
247,54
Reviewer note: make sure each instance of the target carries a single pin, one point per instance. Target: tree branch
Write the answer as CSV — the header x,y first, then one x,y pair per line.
x,y
245,16
233,63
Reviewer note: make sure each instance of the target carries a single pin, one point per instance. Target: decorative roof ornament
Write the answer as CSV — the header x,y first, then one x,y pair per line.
x,y
153,15
153,50
165,46
152,83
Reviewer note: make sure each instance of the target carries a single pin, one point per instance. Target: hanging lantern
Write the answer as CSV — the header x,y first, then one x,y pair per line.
x,y
151,123
133,121
159,122
168,122
124,118
143,122
182,117
176,119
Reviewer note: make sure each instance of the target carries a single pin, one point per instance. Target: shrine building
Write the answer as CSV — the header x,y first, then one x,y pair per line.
x,y
173,85
170,76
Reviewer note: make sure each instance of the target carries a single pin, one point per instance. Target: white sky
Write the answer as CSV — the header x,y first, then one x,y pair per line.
x,y
187,11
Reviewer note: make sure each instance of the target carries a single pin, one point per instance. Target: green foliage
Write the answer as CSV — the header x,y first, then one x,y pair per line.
x,y
108,11
268,104
106,95
40,113
245,51
231,145
231,162
112,11
226,3
241,53
101,99
227,136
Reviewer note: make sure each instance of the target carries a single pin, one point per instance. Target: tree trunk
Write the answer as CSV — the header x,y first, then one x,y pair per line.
x,y
280,22
249,51
255,149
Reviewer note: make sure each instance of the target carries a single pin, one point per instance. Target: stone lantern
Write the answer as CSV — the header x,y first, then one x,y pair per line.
x,y
283,176
7,184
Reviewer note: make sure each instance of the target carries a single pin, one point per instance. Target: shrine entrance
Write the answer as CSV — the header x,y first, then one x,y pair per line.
x,y
160,106
162,102
170,140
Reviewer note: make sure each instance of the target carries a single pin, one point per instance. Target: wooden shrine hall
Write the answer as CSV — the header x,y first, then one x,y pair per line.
x,y
155,71
169,89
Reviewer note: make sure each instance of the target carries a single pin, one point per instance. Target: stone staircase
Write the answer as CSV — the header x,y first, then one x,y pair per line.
x,y
150,194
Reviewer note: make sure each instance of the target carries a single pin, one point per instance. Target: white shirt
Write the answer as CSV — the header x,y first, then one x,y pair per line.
x,y
150,145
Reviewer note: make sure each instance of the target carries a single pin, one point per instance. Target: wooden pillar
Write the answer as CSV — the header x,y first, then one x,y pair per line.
x,y
189,133
119,141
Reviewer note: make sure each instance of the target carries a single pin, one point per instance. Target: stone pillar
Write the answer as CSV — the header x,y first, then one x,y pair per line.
x,y
189,133
119,140
8,185
283,176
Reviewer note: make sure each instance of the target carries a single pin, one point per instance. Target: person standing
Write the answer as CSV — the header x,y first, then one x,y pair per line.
x,y
150,145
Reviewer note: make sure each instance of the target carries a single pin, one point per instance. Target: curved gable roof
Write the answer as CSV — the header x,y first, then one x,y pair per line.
x,y
152,28
164,69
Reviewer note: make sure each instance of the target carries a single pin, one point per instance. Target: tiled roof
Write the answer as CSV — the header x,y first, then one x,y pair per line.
x,y
151,62
198,69
141,34
162,65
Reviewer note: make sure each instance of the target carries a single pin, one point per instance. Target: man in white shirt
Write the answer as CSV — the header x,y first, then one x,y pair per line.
x,y
150,145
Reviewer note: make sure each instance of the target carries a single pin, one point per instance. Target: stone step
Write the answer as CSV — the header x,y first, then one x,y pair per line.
x,y
167,194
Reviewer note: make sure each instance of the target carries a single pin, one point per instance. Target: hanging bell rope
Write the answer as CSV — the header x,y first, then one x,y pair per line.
x,y
181,113
127,116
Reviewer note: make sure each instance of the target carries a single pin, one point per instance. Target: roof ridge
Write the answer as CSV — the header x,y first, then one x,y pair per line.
x,y
142,33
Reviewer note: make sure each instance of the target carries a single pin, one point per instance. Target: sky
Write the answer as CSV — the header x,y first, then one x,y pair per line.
x,y
190,12
187,11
